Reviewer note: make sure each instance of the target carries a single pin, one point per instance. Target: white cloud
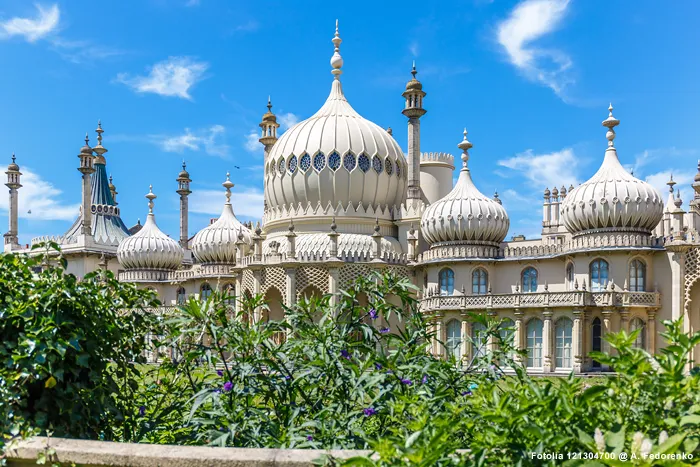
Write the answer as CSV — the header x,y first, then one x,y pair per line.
x,y
413,48
529,21
249,26
83,51
648,156
172,77
40,197
251,143
545,170
209,140
246,201
32,29
287,120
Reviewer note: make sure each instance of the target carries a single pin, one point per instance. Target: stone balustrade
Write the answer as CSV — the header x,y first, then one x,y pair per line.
x,y
573,299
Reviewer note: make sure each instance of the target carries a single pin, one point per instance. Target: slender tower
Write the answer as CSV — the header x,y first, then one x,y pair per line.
x,y
87,168
268,137
183,189
13,183
113,190
414,111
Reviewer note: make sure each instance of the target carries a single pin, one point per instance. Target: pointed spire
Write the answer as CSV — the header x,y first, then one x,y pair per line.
x,y
670,184
228,184
269,103
336,59
150,196
610,123
414,71
465,146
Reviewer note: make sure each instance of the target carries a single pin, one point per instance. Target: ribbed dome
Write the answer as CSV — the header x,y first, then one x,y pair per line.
x,y
465,214
335,157
150,248
216,243
612,198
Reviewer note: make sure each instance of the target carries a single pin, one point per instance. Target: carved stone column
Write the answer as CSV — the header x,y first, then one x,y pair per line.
x,y
518,338
466,332
239,292
439,335
651,331
291,286
547,364
607,328
625,321
492,342
577,342
257,277
333,279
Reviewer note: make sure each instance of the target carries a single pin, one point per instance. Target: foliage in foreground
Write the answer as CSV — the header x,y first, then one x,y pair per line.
x,y
342,377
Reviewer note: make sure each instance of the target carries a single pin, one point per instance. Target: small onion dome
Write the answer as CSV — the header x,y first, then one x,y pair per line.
x,y
613,198
216,243
183,173
465,215
150,248
562,191
269,117
414,84
86,150
555,192
547,193
111,186
13,167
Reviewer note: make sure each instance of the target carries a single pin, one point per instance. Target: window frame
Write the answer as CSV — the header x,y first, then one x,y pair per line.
x,y
563,343
535,352
597,285
637,271
481,285
449,279
528,273
453,343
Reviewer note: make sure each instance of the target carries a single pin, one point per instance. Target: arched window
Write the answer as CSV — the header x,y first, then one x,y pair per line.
x,y
507,333
570,276
454,339
447,281
596,341
599,275
230,294
480,279
529,279
562,341
181,296
205,292
638,324
479,344
534,343
638,273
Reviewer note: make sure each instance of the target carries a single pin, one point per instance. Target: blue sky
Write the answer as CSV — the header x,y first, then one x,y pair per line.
x,y
174,79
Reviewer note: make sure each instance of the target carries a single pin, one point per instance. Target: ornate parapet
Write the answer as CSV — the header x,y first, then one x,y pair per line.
x,y
574,299
47,238
437,158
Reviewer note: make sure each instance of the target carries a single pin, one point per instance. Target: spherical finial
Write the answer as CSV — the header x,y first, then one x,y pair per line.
x,y
336,59
465,145
670,184
610,122
678,201
150,196
496,198
228,184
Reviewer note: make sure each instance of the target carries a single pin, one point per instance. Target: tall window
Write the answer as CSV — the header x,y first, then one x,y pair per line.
x,y
479,345
447,281
596,344
563,336
570,276
534,343
480,279
599,275
507,333
230,294
205,292
638,272
640,341
181,296
529,279
454,339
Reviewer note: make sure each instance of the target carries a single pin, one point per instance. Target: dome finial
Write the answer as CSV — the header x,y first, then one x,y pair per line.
x,y
336,59
184,165
414,72
465,146
269,104
670,184
610,122
14,159
228,184
150,196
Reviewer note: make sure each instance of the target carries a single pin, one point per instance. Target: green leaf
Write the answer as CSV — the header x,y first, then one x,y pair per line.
x,y
690,420
51,382
412,439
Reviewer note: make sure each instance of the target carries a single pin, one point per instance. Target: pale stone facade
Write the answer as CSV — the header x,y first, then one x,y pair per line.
x,y
342,199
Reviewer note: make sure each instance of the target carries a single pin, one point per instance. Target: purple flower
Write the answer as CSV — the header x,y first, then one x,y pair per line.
x,y
228,385
373,313
384,330
219,372
217,390
425,379
407,381
309,438
369,411
142,410
378,366
287,377
388,372
345,354
466,393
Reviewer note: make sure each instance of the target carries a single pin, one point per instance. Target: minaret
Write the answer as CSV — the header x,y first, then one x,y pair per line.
x,y
87,168
414,111
268,137
183,189
13,183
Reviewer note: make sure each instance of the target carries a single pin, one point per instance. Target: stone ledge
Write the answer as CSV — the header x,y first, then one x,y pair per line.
x,y
103,453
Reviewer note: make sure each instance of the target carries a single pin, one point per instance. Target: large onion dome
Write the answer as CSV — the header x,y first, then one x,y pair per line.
x,y
334,158
216,243
613,199
150,248
465,215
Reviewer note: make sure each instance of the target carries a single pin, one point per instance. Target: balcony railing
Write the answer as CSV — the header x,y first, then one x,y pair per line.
x,y
541,300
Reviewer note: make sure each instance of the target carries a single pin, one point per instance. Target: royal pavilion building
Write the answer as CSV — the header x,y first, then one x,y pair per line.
x,y
342,199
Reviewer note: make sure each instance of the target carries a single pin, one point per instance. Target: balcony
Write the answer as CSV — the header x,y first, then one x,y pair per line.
x,y
578,299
